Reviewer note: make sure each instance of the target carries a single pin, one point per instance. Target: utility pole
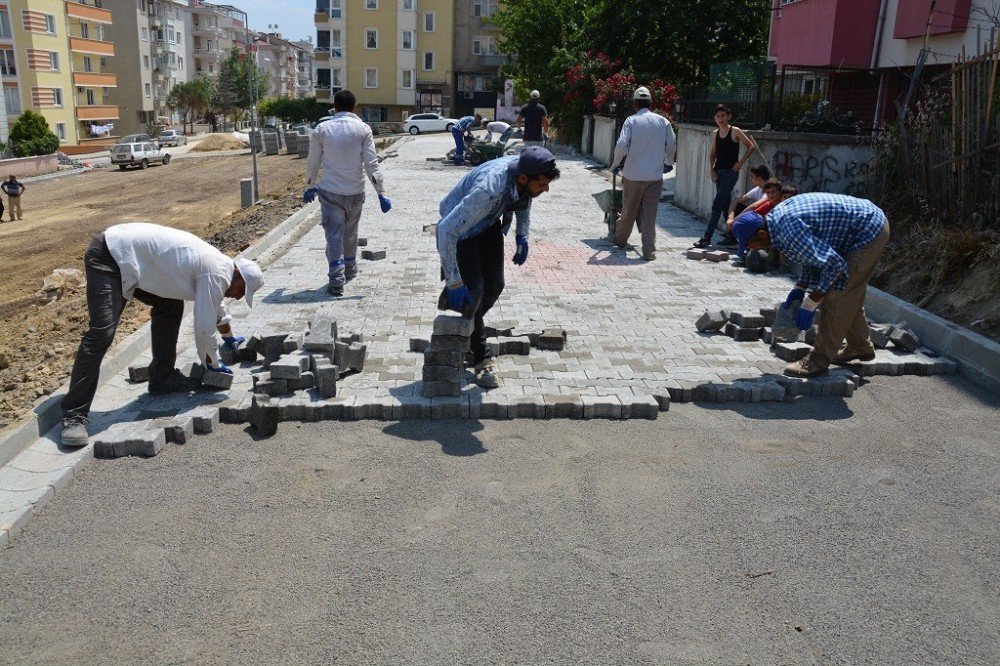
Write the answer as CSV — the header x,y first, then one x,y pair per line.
x,y
252,82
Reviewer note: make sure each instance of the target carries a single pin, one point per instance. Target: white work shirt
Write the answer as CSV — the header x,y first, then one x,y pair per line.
x,y
345,148
497,126
175,264
648,140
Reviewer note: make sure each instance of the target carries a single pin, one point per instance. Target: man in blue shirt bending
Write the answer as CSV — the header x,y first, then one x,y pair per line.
x,y
474,218
838,240
458,131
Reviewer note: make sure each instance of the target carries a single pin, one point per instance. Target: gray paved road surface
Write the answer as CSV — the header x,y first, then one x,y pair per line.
x,y
820,532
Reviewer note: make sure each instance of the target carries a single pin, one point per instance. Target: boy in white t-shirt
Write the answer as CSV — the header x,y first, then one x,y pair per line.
x,y
759,175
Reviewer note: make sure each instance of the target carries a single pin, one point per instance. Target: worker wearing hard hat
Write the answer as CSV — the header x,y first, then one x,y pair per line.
x,y
646,146
536,121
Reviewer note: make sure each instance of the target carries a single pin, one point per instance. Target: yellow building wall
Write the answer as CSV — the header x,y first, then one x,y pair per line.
x,y
440,41
27,78
360,58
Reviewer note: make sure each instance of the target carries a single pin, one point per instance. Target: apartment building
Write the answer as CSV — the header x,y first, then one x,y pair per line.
x,y
305,69
395,55
477,58
859,54
152,38
215,30
54,59
278,58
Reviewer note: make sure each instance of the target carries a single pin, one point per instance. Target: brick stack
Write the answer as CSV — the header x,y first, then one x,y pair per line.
x,y
442,374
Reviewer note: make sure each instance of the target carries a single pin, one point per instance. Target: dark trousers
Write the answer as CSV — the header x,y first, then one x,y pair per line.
x,y
105,303
480,261
724,183
459,137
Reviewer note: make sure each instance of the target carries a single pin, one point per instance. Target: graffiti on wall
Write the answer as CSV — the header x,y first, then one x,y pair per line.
x,y
826,171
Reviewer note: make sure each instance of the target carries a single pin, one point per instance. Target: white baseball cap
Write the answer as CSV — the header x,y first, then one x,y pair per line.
x,y
252,276
535,94
642,92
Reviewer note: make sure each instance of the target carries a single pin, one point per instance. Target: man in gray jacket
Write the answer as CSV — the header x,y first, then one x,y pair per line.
x,y
648,141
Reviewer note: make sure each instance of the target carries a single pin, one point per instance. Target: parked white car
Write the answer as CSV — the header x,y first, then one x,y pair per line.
x,y
140,154
428,122
171,137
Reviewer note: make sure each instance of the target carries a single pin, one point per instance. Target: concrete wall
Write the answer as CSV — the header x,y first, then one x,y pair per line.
x,y
26,167
604,139
811,162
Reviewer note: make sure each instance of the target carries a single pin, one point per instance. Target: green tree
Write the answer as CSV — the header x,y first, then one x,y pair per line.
x,y
239,79
31,135
293,110
192,97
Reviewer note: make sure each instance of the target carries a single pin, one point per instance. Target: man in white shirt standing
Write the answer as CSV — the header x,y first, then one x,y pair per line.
x,y
345,148
648,141
161,267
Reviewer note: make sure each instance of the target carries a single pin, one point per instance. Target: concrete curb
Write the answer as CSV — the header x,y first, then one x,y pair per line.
x,y
46,412
978,357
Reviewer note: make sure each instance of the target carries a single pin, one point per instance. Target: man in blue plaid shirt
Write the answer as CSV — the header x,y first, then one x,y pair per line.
x,y
838,240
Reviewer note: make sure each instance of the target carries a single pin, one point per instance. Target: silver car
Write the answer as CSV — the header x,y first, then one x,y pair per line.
x,y
171,138
140,154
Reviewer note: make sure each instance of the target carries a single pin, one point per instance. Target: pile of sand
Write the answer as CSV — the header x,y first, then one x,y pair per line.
x,y
218,142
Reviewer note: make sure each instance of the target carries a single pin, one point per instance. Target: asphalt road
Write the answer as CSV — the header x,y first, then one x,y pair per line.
x,y
822,531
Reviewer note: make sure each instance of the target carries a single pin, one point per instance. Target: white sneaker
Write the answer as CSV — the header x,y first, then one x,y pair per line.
x,y
486,374
74,431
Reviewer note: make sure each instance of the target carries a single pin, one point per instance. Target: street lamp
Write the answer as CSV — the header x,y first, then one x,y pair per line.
x,y
253,103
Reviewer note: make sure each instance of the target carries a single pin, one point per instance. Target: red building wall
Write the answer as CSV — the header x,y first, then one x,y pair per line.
x,y
949,16
822,33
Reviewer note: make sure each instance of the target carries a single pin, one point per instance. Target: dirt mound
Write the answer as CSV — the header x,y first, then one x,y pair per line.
x,y
218,142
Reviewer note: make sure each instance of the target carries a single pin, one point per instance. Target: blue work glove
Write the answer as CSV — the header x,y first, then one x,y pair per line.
x,y
222,367
458,297
232,343
384,202
521,255
616,170
807,312
310,194
667,168
796,294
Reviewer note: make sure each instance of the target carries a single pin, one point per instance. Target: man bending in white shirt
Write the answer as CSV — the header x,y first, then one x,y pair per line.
x,y
161,267
345,148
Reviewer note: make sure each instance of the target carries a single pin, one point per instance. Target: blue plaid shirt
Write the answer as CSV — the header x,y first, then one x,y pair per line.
x,y
480,198
818,230
465,122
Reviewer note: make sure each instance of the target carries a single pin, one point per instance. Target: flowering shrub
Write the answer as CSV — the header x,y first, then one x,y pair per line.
x,y
597,81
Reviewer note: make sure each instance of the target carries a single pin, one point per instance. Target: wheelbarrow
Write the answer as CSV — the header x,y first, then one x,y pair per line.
x,y
610,202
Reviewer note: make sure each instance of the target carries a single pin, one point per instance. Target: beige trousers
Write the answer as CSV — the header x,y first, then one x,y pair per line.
x,y
842,313
639,195
15,207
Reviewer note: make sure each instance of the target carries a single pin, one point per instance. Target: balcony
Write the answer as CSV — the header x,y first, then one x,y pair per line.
x,y
205,30
91,46
95,80
210,54
88,13
97,112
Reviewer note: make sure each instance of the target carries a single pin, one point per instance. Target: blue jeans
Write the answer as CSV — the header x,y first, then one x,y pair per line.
x,y
724,184
459,136
340,216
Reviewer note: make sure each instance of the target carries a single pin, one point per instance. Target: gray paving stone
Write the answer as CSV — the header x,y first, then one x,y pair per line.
x,y
419,345
902,336
235,410
551,339
326,376
138,373
272,348
601,407
441,388
662,401
292,343
289,367
306,380
563,407
362,241
373,255
527,407
747,321
264,416
717,256
205,419
339,409
642,407
768,314
453,325
442,373
712,320
412,407
178,429
135,441
514,346
880,335
494,407
791,351
264,384
784,322
350,357
321,336
457,343
741,334
448,358
695,254
218,380
450,407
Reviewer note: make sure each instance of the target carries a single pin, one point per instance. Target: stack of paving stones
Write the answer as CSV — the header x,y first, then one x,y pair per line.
x,y
445,355
271,144
303,144
255,141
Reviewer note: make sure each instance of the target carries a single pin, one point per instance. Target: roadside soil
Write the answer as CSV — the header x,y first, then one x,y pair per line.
x,y
201,195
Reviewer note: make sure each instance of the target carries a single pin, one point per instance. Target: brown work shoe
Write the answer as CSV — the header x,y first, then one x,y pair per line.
x,y
845,356
805,369
649,256
486,374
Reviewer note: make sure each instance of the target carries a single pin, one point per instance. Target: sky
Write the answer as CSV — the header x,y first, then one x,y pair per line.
x,y
294,17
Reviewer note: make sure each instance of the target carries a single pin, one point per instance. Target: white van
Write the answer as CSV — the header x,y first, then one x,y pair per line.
x,y
137,154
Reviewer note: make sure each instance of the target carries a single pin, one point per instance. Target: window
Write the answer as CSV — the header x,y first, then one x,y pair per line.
x,y
335,47
407,40
7,66
477,8
61,131
50,24
371,4
88,64
100,32
322,40
477,45
407,79
5,25
12,100
371,38
85,31
54,61
145,34
428,60
57,96
323,78
371,77
179,41
428,21
147,89
171,35
90,97
142,6
145,62
180,62
336,81
408,5
336,10
211,68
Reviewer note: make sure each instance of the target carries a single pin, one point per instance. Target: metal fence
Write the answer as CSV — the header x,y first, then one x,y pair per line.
x,y
745,86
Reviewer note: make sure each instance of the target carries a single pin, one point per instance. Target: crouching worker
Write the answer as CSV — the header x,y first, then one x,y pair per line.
x,y
838,240
475,216
161,267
